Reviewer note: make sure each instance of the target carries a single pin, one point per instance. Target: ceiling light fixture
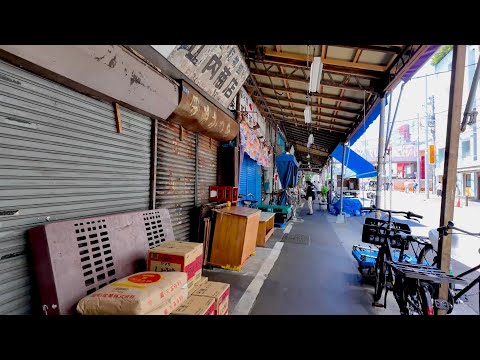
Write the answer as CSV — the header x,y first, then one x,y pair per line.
x,y
311,140
315,74
307,113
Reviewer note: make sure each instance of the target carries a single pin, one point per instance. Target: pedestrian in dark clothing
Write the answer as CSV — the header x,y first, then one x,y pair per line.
x,y
310,195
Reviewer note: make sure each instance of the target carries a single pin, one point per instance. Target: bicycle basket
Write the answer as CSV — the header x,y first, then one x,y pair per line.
x,y
375,231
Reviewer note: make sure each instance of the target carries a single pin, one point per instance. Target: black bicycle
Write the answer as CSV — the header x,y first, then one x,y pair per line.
x,y
411,284
429,256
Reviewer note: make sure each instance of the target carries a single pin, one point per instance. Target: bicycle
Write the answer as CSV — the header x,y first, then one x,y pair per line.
x,y
250,203
429,256
410,283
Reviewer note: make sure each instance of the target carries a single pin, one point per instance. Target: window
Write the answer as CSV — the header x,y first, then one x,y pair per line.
x,y
468,180
441,156
450,67
465,149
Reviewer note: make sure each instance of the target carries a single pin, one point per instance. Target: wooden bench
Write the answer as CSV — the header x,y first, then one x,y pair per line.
x,y
265,227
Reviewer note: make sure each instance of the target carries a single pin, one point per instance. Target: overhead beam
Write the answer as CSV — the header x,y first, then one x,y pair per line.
x,y
311,151
302,80
390,49
368,74
292,121
325,140
405,67
326,61
321,106
349,121
304,93
314,121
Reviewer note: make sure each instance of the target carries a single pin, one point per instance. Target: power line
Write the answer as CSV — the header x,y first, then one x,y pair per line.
x,y
440,72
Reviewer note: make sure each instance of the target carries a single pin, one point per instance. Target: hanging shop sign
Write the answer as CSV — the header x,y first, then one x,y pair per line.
x,y
252,131
220,70
115,74
197,114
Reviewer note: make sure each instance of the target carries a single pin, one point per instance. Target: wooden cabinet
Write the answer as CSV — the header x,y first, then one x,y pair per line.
x,y
265,227
235,237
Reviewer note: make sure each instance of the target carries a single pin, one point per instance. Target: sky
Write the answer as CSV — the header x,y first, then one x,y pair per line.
x,y
424,84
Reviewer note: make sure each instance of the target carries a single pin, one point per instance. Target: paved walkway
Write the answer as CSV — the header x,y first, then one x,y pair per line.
x,y
316,277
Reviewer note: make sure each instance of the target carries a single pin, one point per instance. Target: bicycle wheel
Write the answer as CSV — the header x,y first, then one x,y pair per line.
x,y
419,301
427,256
380,271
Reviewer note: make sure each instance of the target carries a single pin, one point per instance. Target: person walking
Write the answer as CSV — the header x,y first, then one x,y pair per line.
x,y
310,195
293,199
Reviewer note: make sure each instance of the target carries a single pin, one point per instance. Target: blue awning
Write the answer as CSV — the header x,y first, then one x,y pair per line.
x,y
361,167
369,121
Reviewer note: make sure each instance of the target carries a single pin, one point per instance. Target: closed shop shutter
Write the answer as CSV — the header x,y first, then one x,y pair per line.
x,y
250,178
207,167
176,176
60,158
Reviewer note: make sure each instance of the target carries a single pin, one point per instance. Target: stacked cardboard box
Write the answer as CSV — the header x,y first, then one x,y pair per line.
x,y
219,292
202,280
177,256
196,305
138,294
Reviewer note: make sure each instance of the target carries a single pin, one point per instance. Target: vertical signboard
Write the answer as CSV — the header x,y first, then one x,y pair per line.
x,y
431,152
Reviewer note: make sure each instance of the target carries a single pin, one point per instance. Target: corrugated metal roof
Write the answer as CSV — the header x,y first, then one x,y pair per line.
x,y
351,75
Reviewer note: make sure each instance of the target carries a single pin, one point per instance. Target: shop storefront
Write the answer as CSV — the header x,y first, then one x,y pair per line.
x,y
257,140
66,155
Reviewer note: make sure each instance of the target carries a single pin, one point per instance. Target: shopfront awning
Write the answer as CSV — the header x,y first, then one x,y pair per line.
x,y
361,167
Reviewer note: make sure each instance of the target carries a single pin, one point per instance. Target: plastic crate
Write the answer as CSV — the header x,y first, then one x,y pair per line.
x,y
282,212
223,193
217,193
375,231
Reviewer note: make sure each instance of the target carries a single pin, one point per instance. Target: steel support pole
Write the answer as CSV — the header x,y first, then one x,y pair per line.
x,y
331,181
341,179
451,158
381,158
418,154
427,158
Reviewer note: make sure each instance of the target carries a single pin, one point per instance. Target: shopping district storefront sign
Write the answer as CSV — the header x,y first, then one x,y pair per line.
x,y
253,130
220,70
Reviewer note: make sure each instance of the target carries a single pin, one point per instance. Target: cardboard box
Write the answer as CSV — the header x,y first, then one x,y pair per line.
x,y
178,256
194,288
137,294
196,305
218,291
177,299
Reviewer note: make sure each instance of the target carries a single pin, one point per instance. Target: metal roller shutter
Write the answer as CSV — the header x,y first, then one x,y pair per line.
x,y
250,178
176,176
60,158
207,167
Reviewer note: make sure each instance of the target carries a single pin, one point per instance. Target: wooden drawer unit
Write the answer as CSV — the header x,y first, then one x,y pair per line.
x,y
235,237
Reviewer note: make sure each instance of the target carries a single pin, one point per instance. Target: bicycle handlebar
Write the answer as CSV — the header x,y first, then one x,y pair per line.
x,y
408,214
451,225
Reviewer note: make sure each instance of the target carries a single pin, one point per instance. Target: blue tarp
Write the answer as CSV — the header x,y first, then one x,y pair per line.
x,y
351,207
287,168
361,167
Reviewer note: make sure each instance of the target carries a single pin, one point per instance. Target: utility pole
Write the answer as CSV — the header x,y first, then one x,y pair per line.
x,y
432,126
451,158
418,153
427,192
